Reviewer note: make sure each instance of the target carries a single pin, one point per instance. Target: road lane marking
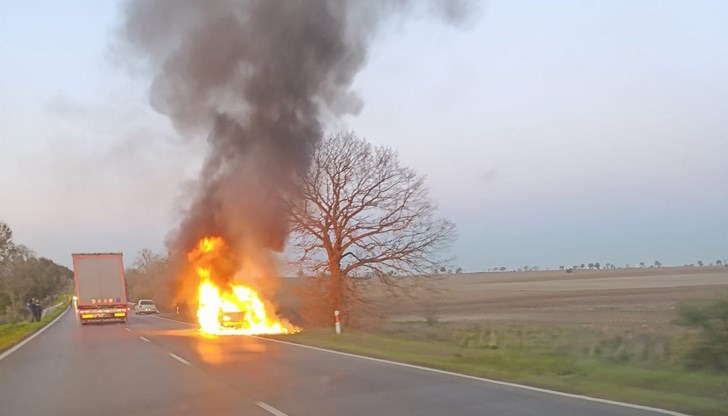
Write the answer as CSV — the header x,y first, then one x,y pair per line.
x,y
180,359
27,340
271,409
144,339
487,380
128,329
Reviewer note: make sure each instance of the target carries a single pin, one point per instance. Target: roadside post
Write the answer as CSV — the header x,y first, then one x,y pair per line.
x,y
338,323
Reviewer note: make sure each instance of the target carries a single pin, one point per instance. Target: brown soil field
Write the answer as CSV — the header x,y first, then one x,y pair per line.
x,y
621,298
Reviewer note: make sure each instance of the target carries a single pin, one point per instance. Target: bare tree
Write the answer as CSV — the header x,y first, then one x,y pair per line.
x,y
7,248
363,216
6,243
146,278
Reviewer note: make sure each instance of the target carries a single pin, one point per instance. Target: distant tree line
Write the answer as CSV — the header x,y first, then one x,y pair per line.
x,y
24,276
599,266
700,263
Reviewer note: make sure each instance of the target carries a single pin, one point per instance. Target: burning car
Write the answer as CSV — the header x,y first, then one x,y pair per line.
x,y
231,308
234,319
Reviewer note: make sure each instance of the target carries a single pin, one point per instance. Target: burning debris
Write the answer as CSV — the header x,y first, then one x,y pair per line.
x,y
258,78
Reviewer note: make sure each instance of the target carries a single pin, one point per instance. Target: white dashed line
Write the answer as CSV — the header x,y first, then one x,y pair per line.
x,y
271,409
143,339
178,358
128,329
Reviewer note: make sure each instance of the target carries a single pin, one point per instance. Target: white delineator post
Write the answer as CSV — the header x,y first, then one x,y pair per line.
x,y
338,323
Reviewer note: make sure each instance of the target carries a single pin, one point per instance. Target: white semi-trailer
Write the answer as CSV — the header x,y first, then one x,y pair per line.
x,y
100,287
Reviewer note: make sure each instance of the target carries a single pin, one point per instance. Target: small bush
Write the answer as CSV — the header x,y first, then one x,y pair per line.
x,y
710,350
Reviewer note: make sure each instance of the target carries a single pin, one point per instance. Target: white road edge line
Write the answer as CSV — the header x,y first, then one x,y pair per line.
x,y
144,339
27,340
487,380
180,359
271,409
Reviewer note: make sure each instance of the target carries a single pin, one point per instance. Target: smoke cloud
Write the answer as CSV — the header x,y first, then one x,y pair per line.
x,y
257,78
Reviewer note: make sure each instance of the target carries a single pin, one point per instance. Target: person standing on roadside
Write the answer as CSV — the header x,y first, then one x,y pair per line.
x,y
38,310
31,308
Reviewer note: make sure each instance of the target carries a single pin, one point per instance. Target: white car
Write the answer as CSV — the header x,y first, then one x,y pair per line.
x,y
145,306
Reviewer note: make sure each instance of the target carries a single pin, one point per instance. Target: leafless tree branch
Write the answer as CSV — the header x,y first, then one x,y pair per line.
x,y
361,214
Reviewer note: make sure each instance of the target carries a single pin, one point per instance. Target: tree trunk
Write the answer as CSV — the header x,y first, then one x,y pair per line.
x,y
335,292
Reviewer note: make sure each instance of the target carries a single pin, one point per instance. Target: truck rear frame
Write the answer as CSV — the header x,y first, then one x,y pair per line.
x,y
109,306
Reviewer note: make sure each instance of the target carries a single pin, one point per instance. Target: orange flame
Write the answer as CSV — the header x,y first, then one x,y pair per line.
x,y
237,310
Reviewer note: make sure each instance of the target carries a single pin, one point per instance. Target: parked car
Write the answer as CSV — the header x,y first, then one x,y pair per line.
x,y
145,306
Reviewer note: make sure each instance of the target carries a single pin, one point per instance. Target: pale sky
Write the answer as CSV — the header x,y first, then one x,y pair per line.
x,y
552,133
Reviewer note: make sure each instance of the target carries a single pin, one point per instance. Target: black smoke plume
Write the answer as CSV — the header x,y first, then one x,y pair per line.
x,y
257,78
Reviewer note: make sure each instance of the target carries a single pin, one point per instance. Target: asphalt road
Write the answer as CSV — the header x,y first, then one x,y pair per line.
x,y
152,366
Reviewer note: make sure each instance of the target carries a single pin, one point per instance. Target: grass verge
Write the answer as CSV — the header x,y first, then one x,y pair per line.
x,y
12,334
639,378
